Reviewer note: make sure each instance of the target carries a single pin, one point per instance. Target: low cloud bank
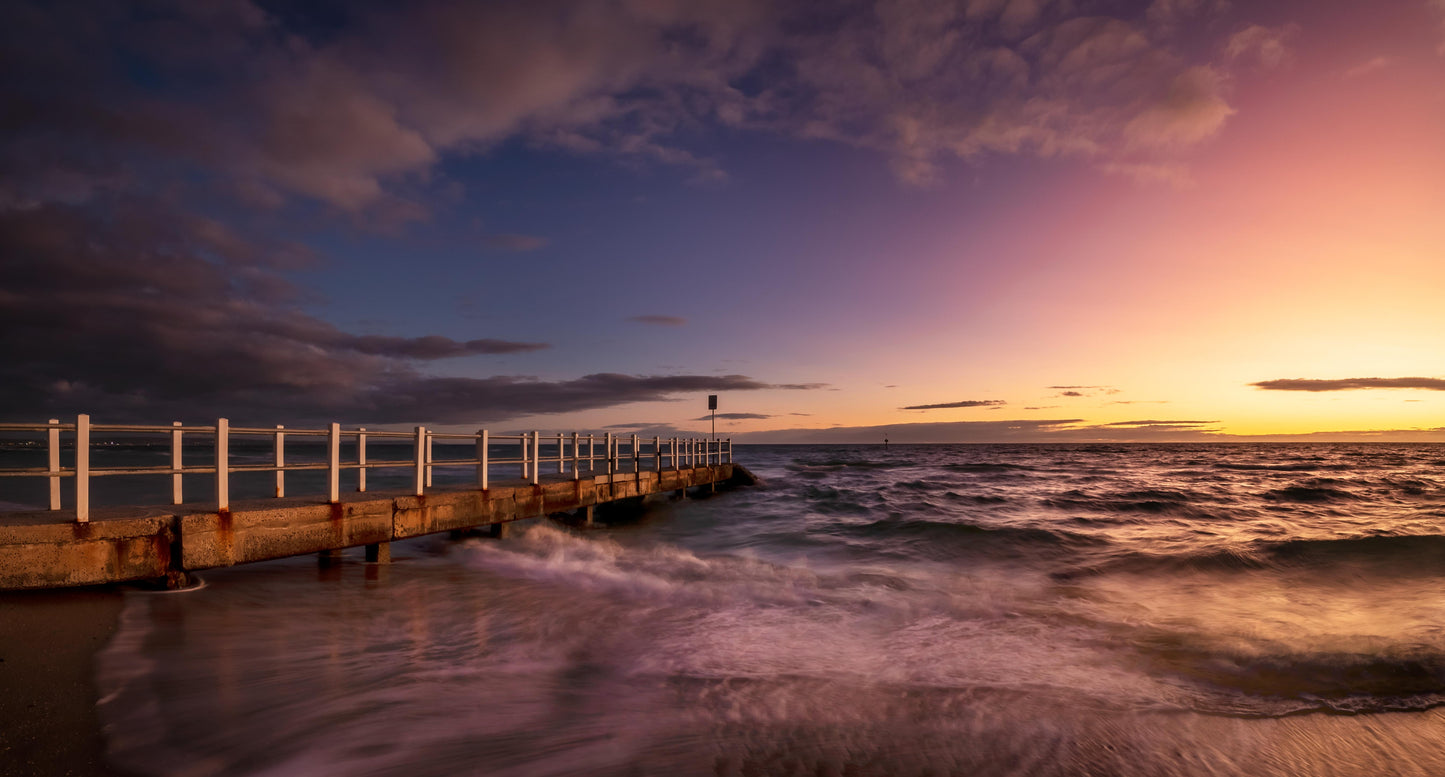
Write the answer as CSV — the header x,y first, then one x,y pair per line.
x,y
1350,384
961,403
1066,430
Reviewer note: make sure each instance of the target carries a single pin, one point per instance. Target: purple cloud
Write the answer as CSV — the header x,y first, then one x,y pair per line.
x,y
1351,384
961,403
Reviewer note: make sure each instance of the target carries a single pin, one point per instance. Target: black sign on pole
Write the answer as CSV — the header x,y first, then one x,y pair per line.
x,y
712,405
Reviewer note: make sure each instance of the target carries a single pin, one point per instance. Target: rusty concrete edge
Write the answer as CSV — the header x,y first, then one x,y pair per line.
x,y
120,549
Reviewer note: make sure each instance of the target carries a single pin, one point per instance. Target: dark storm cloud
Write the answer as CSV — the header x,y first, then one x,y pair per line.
x,y
132,316
457,400
270,107
735,417
430,346
155,157
1350,384
659,320
961,403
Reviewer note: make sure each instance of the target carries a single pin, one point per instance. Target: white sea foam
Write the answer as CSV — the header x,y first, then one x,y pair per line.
x,y
884,620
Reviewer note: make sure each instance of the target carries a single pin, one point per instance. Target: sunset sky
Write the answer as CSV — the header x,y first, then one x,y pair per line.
x,y
984,220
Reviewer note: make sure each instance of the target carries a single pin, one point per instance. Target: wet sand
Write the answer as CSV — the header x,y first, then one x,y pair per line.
x,y
48,643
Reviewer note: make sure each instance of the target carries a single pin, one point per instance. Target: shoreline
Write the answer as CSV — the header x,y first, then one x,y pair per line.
x,y
49,640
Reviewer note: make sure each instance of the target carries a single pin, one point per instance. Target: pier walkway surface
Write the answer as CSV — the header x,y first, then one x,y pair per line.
x,y
84,546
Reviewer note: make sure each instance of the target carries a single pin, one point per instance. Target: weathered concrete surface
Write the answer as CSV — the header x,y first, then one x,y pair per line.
x,y
51,550
57,555
256,531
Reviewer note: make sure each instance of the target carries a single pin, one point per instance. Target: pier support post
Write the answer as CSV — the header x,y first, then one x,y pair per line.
x,y
378,553
326,558
586,515
499,530
176,496
361,459
52,437
280,459
333,463
483,466
82,468
419,472
223,464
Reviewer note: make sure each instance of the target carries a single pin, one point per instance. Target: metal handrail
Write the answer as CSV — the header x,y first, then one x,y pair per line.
x,y
615,451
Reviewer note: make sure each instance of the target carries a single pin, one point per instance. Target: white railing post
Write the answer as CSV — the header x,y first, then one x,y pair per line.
x,y
52,443
576,456
607,444
176,464
361,458
536,457
674,453
591,453
430,436
561,454
636,462
333,463
419,468
525,457
280,461
223,464
657,451
482,458
730,450
82,468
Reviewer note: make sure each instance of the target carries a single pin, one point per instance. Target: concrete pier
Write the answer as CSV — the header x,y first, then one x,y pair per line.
x,y
50,549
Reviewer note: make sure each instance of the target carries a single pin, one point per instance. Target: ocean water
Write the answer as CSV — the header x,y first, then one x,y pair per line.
x,y
919,610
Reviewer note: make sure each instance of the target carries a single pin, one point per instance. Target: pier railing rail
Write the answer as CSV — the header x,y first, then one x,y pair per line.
x,y
618,454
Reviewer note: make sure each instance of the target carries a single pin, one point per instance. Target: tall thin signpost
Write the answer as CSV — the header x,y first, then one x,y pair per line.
x,y
712,405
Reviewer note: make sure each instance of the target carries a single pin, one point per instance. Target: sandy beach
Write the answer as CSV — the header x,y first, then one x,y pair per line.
x,y
48,643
